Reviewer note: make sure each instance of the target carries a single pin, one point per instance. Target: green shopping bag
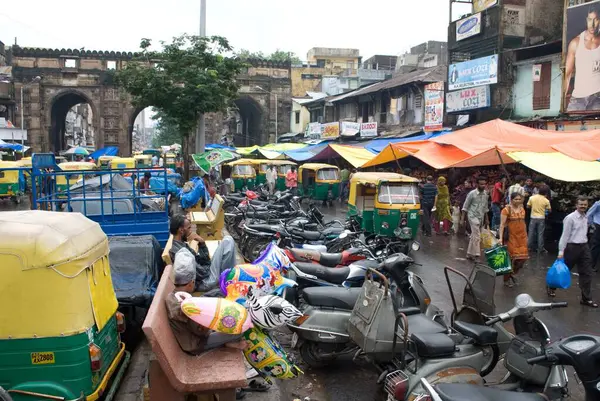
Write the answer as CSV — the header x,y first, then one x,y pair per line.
x,y
499,260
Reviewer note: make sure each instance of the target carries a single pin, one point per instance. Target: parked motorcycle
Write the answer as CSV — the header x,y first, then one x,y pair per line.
x,y
531,336
582,351
321,333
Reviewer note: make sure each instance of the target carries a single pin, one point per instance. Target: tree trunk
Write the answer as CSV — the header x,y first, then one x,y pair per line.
x,y
185,153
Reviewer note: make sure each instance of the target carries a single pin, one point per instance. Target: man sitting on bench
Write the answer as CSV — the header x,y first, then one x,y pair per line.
x,y
193,338
208,270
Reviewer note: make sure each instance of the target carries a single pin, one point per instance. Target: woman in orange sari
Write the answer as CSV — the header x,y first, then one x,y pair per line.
x,y
513,219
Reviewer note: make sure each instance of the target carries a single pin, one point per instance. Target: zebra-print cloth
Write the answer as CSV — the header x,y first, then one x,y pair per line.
x,y
263,316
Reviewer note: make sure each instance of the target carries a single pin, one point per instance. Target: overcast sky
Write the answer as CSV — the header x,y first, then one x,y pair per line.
x,y
373,26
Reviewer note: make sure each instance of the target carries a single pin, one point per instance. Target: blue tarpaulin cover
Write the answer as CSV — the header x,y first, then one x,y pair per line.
x,y
107,151
190,199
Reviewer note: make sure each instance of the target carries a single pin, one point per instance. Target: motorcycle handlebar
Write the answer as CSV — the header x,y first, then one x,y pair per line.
x,y
493,321
560,304
537,359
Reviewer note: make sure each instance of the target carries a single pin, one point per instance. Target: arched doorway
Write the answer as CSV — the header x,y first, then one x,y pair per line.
x,y
72,121
142,129
249,118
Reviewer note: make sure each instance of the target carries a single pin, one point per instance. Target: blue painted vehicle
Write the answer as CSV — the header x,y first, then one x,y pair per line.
x,y
103,196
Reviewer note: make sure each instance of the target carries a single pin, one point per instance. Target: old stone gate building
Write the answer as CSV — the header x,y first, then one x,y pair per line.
x,y
55,80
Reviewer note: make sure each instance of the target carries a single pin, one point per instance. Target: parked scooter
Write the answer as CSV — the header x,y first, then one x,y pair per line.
x,y
321,333
582,351
529,342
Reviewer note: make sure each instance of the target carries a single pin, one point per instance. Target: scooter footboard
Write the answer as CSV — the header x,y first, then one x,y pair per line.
x,y
324,325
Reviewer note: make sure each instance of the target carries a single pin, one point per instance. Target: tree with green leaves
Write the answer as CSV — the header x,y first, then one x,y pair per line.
x,y
166,131
277,55
190,76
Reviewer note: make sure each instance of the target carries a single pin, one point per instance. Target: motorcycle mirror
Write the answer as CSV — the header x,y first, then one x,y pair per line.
x,y
415,246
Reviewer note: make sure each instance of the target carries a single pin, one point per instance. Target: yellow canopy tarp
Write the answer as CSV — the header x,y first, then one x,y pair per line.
x,y
352,154
246,151
559,166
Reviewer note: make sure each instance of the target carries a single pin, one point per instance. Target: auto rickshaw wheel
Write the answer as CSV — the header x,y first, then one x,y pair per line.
x,y
16,199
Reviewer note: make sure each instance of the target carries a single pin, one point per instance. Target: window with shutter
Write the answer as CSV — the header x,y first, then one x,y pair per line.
x,y
541,88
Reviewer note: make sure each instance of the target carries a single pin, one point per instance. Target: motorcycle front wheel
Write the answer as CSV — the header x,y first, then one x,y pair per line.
x,y
255,247
311,355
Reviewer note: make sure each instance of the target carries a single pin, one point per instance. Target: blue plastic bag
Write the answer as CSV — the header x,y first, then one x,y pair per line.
x,y
558,275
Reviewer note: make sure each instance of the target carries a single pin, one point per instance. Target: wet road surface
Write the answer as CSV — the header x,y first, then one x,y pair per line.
x,y
346,380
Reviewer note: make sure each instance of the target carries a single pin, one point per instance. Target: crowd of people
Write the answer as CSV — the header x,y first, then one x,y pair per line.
x,y
517,215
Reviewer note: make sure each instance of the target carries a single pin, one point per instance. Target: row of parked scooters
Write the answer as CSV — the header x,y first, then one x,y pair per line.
x,y
365,302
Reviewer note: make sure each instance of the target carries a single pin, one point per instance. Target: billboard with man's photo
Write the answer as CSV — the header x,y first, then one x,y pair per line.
x,y
581,85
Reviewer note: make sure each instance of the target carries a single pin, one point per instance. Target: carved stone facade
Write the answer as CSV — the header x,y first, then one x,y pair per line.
x,y
69,77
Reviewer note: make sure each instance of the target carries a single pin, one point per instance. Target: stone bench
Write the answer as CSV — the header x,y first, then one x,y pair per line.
x,y
173,374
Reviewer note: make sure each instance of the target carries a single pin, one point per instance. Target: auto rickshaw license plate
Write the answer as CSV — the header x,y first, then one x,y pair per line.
x,y
42,358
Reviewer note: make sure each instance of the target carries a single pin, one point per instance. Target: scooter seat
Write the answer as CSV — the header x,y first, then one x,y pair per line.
x,y
307,235
334,275
433,345
482,335
330,231
325,259
332,297
462,392
367,263
421,324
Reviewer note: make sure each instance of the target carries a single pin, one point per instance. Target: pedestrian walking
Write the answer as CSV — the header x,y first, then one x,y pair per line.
x,y
475,209
513,234
573,247
291,180
540,207
442,207
271,178
429,193
517,187
593,216
497,195
344,183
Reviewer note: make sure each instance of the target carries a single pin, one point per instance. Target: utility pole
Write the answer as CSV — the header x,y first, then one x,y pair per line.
x,y
200,129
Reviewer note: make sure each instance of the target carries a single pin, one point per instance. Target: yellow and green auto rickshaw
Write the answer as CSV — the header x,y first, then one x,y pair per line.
x,y
319,182
386,204
283,166
242,173
12,182
171,161
65,181
143,161
104,162
25,163
120,163
261,166
59,331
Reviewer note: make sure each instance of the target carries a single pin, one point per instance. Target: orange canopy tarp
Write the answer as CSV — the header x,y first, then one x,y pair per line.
x,y
511,137
581,149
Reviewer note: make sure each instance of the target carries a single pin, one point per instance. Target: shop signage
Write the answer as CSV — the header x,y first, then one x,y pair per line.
x,y
480,5
330,130
481,71
350,128
434,106
468,99
314,130
467,27
368,129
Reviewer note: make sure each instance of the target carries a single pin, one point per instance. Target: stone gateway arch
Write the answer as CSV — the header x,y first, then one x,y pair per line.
x,y
55,80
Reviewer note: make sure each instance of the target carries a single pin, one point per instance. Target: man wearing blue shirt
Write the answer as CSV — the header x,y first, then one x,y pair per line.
x,y
593,216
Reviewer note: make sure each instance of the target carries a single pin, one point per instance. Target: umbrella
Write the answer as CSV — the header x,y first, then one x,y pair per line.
x,y
212,158
77,150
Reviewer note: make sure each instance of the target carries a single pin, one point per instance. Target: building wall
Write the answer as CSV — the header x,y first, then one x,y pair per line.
x,y
335,58
307,79
523,91
304,118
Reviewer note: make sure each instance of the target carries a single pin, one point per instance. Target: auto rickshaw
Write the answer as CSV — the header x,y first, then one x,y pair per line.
x,y
25,163
170,161
122,163
59,336
386,204
60,159
104,162
242,173
319,182
261,166
143,161
65,181
12,182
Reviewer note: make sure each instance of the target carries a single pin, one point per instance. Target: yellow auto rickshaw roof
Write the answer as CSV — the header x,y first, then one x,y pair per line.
x,y
171,155
24,162
145,157
50,239
249,162
317,166
108,157
77,166
376,178
8,164
124,159
279,162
